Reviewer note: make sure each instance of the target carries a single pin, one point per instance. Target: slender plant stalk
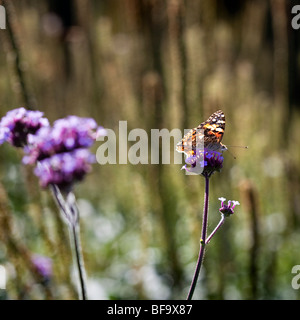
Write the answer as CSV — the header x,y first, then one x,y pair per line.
x,y
202,240
70,214
27,99
79,261
222,220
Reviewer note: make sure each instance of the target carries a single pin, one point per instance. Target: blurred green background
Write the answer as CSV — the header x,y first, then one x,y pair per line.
x,y
157,64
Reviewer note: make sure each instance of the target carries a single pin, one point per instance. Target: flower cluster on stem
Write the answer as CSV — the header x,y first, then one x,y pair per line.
x,y
204,162
62,157
62,151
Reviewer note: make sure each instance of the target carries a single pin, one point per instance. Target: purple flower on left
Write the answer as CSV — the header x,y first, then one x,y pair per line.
x,y
65,168
62,157
60,152
43,265
18,123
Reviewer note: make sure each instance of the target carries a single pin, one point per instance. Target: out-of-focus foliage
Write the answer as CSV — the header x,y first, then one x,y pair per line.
x,y
157,64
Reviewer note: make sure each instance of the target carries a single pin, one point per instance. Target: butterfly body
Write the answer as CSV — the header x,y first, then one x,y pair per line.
x,y
208,134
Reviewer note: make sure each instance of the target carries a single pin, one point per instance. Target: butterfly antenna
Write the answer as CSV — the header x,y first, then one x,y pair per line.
x,y
244,147
234,157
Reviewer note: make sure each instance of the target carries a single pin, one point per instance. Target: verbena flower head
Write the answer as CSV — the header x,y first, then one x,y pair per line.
x,y
61,152
227,210
67,134
43,265
17,124
204,162
63,169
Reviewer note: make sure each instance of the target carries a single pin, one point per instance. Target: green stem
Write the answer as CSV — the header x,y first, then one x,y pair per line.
x,y
202,241
70,215
222,220
79,261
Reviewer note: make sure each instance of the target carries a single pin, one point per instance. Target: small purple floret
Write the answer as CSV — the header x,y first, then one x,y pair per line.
x,y
43,265
17,124
227,210
63,169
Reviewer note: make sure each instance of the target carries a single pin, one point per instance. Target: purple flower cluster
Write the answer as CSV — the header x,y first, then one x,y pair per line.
x,y
17,124
64,168
61,152
227,209
204,162
66,135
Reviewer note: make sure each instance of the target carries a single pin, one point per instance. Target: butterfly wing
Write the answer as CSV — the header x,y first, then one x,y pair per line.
x,y
214,128
211,135
189,142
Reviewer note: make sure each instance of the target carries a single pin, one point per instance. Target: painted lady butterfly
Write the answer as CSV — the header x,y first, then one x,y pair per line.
x,y
211,135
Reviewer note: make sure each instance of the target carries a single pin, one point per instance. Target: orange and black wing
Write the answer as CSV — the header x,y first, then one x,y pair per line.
x,y
211,135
